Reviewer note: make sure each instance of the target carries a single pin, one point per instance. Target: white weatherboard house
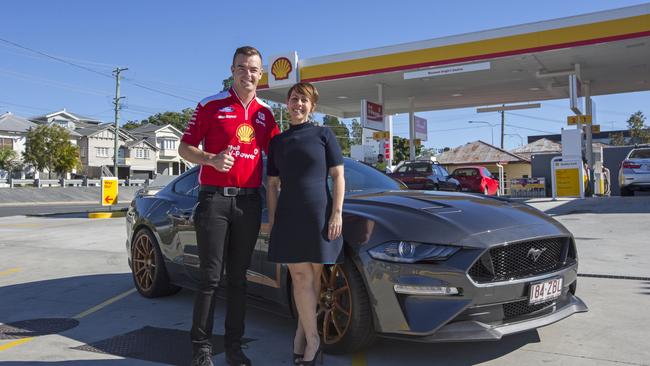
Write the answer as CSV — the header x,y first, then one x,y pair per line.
x,y
13,131
166,139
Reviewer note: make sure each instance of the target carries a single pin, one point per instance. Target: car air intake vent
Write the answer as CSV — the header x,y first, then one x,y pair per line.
x,y
519,308
520,260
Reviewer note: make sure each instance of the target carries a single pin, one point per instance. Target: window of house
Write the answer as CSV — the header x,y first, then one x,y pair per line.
x,y
169,144
5,142
102,152
141,153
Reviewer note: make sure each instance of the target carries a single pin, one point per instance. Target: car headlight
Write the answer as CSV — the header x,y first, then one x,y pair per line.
x,y
412,252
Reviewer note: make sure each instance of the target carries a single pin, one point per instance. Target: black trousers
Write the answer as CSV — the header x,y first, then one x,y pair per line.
x,y
226,233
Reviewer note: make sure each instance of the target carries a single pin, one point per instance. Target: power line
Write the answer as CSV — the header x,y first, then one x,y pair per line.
x,y
537,118
94,71
530,129
56,58
50,82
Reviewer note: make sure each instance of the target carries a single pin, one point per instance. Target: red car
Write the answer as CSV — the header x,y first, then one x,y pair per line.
x,y
476,179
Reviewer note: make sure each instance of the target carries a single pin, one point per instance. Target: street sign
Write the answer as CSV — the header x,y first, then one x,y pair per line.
x,y
109,191
584,119
595,128
381,135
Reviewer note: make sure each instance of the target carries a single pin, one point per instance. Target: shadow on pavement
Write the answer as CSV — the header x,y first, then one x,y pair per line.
x,y
449,354
156,330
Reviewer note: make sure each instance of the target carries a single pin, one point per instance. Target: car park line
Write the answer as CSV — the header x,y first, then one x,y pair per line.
x,y
81,315
10,271
18,342
104,304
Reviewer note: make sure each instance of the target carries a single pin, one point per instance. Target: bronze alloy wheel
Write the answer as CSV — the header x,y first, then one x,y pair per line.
x,y
144,262
335,304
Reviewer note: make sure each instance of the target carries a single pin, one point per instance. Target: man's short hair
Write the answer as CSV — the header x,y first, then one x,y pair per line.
x,y
247,51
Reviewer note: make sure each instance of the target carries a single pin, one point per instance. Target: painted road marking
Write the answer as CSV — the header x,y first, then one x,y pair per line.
x,y
78,316
104,304
10,271
15,343
359,359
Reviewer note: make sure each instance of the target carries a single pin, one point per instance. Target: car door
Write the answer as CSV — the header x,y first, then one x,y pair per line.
x,y
405,174
184,195
493,184
445,181
264,277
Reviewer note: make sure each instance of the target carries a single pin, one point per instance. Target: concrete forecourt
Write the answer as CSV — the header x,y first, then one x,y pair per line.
x,y
68,298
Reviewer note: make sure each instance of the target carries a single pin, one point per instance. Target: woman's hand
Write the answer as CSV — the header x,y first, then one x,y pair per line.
x,y
335,226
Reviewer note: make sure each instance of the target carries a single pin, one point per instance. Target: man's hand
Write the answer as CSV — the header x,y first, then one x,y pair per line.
x,y
222,161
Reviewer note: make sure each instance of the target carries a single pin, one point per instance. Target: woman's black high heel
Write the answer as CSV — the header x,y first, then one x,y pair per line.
x,y
312,362
296,358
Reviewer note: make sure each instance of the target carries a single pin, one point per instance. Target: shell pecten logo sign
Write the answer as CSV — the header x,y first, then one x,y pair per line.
x,y
245,133
281,68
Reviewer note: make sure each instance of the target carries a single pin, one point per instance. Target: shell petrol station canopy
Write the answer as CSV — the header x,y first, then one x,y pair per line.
x,y
608,50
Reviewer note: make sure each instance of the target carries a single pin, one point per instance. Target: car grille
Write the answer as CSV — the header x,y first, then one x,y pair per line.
x,y
520,308
517,260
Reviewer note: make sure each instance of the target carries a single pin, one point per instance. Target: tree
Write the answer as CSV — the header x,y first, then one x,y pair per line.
x,y
283,122
618,139
7,159
356,132
49,148
401,150
227,83
639,133
131,125
341,131
176,119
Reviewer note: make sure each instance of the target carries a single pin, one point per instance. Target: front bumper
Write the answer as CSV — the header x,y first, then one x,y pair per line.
x,y
480,311
472,330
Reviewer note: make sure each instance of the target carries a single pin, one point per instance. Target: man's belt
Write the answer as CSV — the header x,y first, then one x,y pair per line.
x,y
229,191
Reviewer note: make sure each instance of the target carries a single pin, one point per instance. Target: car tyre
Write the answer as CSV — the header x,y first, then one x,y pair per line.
x,y
626,192
148,267
345,318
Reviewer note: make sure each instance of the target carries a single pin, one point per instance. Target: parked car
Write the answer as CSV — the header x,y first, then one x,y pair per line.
x,y
476,179
419,265
634,173
426,175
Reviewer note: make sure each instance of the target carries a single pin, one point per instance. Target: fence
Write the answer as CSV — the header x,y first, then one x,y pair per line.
x,y
11,182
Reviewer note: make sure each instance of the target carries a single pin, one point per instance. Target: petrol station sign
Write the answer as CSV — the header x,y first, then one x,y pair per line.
x,y
109,191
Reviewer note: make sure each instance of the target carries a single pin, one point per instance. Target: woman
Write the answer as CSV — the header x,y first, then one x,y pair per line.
x,y
306,220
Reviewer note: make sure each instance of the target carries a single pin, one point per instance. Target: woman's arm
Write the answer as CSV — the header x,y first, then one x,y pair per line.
x,y
338,193
272,192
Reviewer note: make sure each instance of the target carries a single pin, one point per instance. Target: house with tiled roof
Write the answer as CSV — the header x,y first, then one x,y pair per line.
x,y
481,153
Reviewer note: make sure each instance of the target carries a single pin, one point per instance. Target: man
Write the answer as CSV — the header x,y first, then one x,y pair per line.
x,y
234,127
381,163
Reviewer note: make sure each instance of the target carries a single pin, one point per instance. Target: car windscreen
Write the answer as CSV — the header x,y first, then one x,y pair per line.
x,y
640,154
465,172
359,177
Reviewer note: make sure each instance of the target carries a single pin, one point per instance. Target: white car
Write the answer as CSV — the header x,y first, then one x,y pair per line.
x,y
634,174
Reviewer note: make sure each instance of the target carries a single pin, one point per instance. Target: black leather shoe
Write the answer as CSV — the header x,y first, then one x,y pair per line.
x,y
236,357
202,357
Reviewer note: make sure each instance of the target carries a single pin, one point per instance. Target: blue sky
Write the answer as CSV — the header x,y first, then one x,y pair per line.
x,y
185,49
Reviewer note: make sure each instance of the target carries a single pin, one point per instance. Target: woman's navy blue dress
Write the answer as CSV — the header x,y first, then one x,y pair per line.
x,y
301,157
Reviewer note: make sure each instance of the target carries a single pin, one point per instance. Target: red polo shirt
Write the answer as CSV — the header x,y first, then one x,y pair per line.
x,y
222,120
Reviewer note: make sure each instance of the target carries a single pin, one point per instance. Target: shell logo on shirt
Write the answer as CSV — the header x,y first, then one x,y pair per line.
x,y
245,133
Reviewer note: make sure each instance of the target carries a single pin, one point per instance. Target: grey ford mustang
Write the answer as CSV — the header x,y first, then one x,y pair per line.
x,y
421,265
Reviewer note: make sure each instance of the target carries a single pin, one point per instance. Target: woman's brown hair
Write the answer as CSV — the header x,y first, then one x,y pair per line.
x,y
305,89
